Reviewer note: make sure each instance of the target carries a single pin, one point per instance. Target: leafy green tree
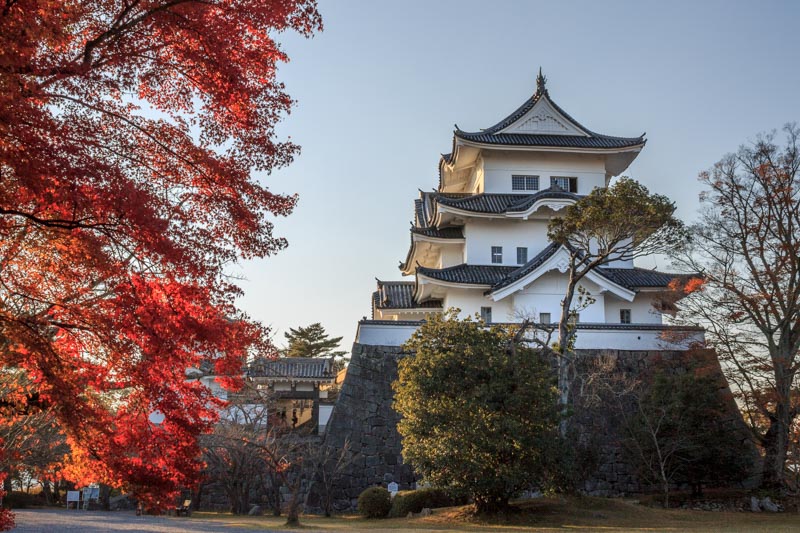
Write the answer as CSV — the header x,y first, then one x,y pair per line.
x,y
617,223
478,409
676,431
312,341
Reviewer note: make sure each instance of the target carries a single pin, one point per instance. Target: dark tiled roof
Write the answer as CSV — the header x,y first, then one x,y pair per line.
x,y
423,208
320,368
594,140
471,274
419,213
561,141
638,277
399,295
501,203
444,233
528,267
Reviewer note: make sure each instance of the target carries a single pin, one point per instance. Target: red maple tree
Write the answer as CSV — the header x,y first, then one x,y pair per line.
x,y
128,133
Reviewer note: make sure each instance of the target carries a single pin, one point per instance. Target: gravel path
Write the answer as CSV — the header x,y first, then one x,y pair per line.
x,y
58,520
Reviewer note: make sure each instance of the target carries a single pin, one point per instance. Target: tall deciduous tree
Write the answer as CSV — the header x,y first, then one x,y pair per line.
x,y
617,223
747,246
128,133
478,409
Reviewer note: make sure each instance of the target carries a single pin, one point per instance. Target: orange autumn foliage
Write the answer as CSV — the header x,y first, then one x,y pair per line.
x,y
129,131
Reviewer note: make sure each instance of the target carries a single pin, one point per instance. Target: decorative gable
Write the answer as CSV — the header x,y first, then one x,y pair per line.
x,y
543,118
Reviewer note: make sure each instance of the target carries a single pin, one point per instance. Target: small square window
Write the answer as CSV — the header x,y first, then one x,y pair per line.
x,y
517,183
497,255
486,314
544,318
565,183
574,318
522,255
624,316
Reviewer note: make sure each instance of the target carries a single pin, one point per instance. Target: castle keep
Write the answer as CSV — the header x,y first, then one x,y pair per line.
x,y
478,242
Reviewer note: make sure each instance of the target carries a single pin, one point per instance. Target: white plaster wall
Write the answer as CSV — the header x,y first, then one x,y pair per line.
x,y
498,169
324,416
586,338
451,255
481,235
388,314
642,311
384,335
470,301
545,294
631,340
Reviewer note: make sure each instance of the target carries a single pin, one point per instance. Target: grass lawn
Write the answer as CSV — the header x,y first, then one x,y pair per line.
x,y
546,514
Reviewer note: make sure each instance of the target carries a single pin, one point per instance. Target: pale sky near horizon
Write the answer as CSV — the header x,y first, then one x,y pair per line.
x,y
378,92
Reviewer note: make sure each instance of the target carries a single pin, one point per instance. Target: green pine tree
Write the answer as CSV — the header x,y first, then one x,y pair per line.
x,y
313,341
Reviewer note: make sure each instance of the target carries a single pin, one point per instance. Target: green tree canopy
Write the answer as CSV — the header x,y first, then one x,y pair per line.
x,y
616,223
312,341
478,411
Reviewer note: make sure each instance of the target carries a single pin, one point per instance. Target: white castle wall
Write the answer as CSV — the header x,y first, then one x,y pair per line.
x,y
470,301
498,169
481,235
545,294
642,311
451,255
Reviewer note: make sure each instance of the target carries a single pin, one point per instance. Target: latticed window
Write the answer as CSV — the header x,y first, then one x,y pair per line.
x,y
524,183
497,254
565,183
522,255
486,314
545,318
624,316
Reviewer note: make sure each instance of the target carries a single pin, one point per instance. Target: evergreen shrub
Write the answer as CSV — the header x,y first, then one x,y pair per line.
x,y
374,502
414,501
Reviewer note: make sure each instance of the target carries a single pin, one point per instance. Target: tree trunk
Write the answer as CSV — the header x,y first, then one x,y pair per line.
x,y
105,497
293,510
565,353
776,440
47,491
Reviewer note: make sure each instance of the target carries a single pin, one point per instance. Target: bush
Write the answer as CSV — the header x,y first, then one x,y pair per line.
x,y
414,501
479,410
21,500
374,502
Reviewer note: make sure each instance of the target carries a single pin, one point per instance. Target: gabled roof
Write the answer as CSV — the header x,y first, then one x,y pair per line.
x,y
293,368
551,127
399,295
528,267
501,281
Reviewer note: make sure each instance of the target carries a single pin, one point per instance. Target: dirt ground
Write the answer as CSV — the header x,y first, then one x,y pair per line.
x,y
574,514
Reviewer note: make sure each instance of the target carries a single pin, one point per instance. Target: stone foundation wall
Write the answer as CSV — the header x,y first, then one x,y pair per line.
x,y
363,416
599,426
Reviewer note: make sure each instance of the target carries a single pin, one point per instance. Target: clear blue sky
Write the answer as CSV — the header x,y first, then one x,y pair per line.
x,y
380,88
